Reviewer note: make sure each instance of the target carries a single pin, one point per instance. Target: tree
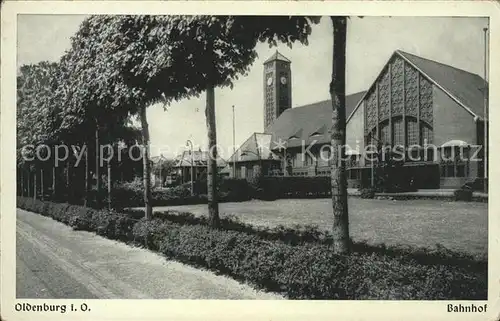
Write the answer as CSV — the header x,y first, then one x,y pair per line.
x,y
163,167
152,59
92,114
37,113
220,49
341,240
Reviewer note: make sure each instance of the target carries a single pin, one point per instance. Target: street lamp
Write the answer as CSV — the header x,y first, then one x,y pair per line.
x,y
161,164
234,151
190,144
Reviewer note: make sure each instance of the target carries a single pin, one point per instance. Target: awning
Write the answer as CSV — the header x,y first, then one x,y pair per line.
x,y
455,143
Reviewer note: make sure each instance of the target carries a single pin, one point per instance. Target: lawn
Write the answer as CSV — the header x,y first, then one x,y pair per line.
x,y
459,226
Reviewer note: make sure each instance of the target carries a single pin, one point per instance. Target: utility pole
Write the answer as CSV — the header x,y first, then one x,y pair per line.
x,y
234,151
161,164
485,100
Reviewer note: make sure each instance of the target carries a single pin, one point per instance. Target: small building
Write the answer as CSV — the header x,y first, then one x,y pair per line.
x,y
158,177
197,162
253,156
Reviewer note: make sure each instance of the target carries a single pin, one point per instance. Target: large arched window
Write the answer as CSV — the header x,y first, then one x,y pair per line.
x,y
405,133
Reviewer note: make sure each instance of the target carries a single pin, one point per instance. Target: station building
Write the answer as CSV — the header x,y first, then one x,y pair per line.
x,y
435,112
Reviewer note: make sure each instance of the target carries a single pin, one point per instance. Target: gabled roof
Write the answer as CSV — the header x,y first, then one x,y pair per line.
x,y
277,56
257,146
462,86
465,88
307,120
200,159
157,159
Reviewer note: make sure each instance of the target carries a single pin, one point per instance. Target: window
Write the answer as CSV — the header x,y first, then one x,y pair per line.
x,y
384,134
297,160
454,161
324,157
428,154
454,170
452,153
308,160
446,154
427,135
398,128
412,132
450,170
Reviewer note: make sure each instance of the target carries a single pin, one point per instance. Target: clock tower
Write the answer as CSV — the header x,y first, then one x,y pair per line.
x,y
277,87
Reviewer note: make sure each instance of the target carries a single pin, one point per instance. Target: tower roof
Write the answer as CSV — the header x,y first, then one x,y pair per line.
x,y
277,56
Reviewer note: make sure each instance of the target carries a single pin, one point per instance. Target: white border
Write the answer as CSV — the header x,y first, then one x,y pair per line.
x,y
231,310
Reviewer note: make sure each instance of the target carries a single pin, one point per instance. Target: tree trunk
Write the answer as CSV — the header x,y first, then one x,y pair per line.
x,y
42,192
341,239
34,185
22,182
87,174
146,176
97,165
68,165
69,194
54,182
213,204
109,185
29,183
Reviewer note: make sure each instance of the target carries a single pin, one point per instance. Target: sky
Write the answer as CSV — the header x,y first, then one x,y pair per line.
x,y
456,41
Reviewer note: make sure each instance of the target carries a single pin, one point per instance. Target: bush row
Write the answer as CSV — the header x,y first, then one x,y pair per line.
x,y
112,225
308,271
233,190
132,195
303,234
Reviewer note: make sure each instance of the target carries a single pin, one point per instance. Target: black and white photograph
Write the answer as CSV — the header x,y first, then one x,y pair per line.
x,y
250,157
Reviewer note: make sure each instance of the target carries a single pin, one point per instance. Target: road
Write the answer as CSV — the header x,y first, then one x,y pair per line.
x,y
55,262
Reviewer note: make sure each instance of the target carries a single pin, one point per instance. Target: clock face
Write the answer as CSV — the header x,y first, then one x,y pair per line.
x,y
269,81
283,80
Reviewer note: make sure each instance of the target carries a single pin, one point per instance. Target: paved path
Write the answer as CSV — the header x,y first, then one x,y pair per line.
x,y
54,261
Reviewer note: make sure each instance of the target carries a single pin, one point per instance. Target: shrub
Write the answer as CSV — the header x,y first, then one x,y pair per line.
x,y
314,272
476,185
367,193
308,271
295,187
463,195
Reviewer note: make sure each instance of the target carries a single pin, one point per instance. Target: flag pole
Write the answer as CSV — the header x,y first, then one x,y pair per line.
x,y
485,112
234,151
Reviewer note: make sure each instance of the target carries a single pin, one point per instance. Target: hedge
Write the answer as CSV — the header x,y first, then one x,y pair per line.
x,y
463,195
306,271
127,195
302,234
296,187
